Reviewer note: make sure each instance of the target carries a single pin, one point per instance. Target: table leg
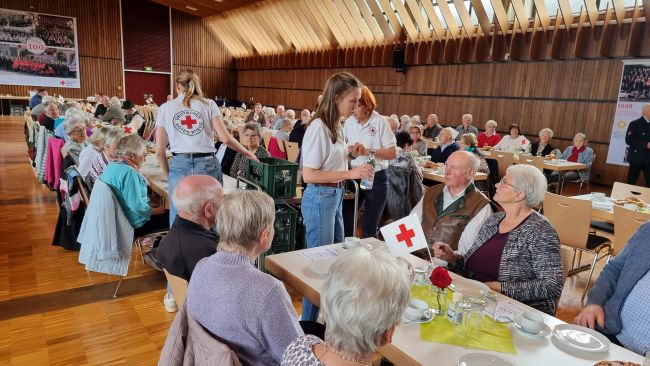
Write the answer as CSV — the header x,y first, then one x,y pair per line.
x,y
561,181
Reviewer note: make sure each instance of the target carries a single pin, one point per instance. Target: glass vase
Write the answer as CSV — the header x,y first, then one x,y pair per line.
x,y
438,301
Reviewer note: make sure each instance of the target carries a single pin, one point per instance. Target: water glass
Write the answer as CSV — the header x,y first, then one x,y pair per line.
x,y
491,300
462,320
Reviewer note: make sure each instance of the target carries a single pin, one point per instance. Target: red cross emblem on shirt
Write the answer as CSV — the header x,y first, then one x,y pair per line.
x,y
189,122
127,129
62,82
405,235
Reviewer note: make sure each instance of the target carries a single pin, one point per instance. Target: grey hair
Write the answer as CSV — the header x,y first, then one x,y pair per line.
x,y
472,161
581,135
194,202
529,180
130,146
287,122
114,101
405,117
253,126
448,129
98,136
269,111
242,218
70,106
416,118
547,131
363,296
113,136
290,113
467,115
73,121
491,122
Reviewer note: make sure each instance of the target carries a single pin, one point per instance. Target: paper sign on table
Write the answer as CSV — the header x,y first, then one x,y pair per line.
x,y
508,311
319,253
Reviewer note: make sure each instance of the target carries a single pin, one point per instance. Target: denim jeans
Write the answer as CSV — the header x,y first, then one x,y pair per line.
x,y
373,201
182,166
322,214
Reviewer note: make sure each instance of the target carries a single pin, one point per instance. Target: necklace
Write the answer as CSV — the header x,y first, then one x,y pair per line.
x,y
350,359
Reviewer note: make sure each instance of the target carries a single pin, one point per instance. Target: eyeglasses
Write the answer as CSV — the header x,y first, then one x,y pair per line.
x,y
502,181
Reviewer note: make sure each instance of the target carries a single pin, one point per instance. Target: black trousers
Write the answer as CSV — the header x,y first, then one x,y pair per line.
x,y
155,223
373,201
634,172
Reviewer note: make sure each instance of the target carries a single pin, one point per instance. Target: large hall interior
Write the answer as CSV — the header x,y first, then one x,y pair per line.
x,y
324,182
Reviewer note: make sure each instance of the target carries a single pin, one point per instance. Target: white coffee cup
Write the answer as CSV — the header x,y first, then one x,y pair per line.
x,y
415,309
531,322
351,242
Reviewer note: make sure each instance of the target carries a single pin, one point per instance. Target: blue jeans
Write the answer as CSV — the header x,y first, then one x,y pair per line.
x,y
322,213
181,167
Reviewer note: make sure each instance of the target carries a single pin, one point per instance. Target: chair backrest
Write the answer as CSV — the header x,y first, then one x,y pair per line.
x,y
267,137
626,223
431,144
505,160
536,161
623,190
570,217
281,146
567,259
179,288
292,150
82,189
240,130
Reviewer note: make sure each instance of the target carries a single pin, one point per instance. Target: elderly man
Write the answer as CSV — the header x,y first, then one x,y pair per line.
x,y
466,127
638,155
197,199
279,116
299,128
617,304
37,98
453,212
133,118
432,128
446,146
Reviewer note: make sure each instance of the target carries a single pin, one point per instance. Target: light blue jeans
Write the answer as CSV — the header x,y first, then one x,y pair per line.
x,y
181,167
322,213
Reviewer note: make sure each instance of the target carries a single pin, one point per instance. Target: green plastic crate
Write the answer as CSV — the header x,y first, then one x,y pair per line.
x,y
284,240
277,177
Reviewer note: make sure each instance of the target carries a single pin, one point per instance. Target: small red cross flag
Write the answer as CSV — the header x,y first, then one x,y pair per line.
x,y
404,236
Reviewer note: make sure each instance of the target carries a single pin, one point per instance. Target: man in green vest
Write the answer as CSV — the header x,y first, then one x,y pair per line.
x,y
455,211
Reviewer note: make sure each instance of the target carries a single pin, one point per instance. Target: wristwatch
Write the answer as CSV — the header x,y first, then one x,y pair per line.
x,y
373,151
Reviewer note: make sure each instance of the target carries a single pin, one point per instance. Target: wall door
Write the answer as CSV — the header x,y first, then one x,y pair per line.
x,y
140,83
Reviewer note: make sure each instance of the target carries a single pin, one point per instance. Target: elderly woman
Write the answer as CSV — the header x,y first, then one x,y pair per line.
x,y
468,142
404,123
419,144
361,310
75,128
517,252
113,136
490,137
256,115
269,118
248,310
130,186
115,115
543,147
446,146
252,138
514,142
91,152
579,153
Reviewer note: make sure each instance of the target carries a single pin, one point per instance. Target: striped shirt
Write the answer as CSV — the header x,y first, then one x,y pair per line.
x,y
97,168
635,334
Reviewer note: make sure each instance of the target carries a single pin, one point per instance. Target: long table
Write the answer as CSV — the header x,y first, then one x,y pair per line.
x,y
432,174
408,349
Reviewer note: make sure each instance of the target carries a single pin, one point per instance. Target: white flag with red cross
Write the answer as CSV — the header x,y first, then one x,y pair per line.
x,y
404,236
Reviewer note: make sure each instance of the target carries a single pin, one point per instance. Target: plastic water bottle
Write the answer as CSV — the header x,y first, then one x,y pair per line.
x,y
366,184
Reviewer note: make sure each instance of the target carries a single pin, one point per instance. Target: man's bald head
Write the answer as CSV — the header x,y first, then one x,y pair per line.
x,y
193,194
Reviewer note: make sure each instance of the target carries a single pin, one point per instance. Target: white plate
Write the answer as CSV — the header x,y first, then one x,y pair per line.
x,y
581,338
469,287
482,359
546,330
321,268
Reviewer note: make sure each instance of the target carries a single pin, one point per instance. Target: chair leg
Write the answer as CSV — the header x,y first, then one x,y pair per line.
x,y
591,273
118,287
138,244
573,260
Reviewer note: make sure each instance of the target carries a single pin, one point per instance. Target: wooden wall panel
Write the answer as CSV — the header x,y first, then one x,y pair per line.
x,y
567,96
214,82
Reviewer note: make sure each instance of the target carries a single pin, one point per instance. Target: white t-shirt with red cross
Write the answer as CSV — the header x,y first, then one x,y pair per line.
x,y
375,134
189,129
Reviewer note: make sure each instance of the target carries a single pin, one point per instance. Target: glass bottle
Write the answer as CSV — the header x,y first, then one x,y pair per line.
x,y
366,184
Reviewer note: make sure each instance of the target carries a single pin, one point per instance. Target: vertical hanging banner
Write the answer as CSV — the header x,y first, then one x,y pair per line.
x,y
633,93
38,49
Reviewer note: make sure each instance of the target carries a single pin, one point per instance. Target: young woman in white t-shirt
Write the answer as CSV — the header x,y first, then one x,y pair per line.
x,y
188,124
325,159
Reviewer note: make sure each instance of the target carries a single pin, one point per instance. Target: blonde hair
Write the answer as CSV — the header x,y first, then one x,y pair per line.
x,y
337,86
192,84
242,218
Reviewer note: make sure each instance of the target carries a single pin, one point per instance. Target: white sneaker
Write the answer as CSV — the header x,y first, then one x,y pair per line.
x,y
170,303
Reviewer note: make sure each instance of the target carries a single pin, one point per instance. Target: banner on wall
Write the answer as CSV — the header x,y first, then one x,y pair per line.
x,y
38,49
633,93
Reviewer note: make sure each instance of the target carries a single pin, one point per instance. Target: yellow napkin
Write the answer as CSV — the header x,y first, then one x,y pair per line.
x,y
491,336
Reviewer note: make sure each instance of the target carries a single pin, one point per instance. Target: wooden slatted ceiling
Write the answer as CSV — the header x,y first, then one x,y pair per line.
x,y
205,8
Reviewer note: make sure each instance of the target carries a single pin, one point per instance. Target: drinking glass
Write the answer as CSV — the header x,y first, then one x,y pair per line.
x,y
491,300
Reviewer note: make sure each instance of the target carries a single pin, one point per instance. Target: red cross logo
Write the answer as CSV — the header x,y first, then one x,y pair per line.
x,y
405,235
62,82
189,122
127,129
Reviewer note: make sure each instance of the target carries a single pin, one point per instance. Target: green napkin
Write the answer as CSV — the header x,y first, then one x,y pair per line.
x,y
491,336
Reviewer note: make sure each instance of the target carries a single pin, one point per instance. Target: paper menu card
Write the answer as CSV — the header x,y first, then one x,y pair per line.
x,y
319,253
507,310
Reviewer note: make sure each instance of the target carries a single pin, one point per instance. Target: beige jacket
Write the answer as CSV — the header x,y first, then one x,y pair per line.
x,y
188,344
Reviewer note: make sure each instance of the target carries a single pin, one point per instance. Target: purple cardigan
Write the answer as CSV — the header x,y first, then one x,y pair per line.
x,y
244,308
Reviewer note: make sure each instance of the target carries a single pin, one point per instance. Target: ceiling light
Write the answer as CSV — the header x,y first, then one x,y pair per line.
x,y
191,8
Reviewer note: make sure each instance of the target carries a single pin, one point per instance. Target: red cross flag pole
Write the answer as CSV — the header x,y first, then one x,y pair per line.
x,y
405,236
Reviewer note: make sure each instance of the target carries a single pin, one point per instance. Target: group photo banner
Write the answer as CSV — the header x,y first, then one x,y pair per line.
x,y
38,50
633,93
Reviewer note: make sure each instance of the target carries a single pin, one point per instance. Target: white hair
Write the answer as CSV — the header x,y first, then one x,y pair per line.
x,y
130,146
581,135
364,295
530,181
242,217
469,116
405,117
113,136
491,122
472,162
416,118
290,113
547,131
115,101
194,202
73,121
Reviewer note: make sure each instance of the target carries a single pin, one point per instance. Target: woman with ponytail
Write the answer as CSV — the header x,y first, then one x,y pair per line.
x,y
325,160
188,124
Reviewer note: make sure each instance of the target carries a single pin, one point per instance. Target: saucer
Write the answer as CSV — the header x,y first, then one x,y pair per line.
x,y
423,320
482,359
546,330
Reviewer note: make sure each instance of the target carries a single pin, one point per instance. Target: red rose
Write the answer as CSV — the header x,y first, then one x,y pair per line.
x,y
440,278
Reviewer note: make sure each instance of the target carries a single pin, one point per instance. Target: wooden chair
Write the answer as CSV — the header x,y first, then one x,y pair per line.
x,y
505,160
626,223
292,150
570,218
85,198
179,288
267,137
431,144
623,190
567,257
536,161
582,183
